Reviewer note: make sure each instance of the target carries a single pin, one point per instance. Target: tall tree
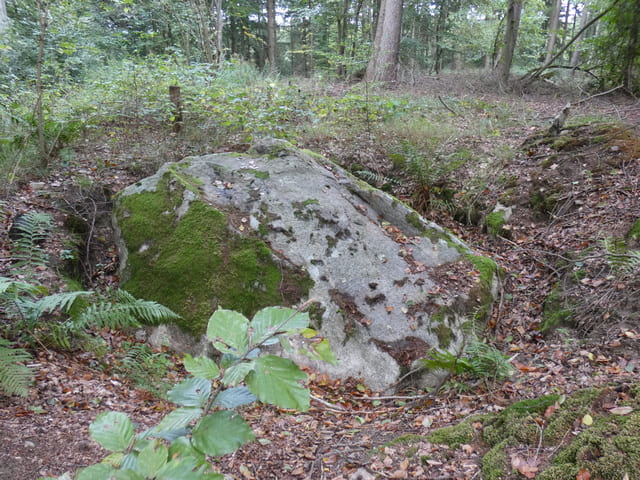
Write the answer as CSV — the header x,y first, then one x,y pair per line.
x,y
554,18
383,65
343,20
4,19
514,12
271,34
219,25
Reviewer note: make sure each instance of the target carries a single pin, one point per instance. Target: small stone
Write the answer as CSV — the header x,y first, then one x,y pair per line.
x,y
29,444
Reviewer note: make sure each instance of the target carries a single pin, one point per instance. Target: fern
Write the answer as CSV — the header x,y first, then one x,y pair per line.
x,y
373,177
124,310
14,377
619,257
25,303
478,360
30,230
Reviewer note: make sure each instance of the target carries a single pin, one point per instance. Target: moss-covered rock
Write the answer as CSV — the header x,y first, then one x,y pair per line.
x,y
193,263
278,225
455,435
556,312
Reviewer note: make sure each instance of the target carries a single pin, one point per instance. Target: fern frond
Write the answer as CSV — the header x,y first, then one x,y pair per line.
x,y
373,177
57,301
128,311
30,230
14,377
619,257
8,285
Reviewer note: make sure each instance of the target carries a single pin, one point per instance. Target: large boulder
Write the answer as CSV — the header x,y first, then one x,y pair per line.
x,y
279,226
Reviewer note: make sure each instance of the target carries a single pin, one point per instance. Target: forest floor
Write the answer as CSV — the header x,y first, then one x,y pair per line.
x,y
593,177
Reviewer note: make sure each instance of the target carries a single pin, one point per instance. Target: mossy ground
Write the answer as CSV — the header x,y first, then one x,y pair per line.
x,y
553,426
194,264
495,221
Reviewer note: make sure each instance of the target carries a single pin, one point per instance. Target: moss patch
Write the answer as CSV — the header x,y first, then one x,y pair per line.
x,y
495,221
556,313
633,236
455,435
193,264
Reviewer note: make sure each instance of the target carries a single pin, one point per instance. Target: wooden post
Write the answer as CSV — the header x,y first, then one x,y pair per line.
x,y
174,96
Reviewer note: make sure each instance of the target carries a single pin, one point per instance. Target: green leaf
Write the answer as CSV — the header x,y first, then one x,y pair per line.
x,y
152,458
228,330
127,474
276,380
100,471
182,448
235,397
221,433
236,373
201,367
179,418
322,351
193,392
185,469
113,430
271,320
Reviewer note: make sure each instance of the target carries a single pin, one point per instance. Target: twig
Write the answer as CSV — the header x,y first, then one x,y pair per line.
x,y
330,405
598,95
447,106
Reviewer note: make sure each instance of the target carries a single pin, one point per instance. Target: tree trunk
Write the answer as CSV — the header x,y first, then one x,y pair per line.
x,y
532,75
554,18
4,18
356,19
575,56
632,49
205,33
43,22
440,29
510,39
342,21
271,34
307,45
219,26
383,65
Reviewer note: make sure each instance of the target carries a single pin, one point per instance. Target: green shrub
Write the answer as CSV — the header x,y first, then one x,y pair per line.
x,y
204,422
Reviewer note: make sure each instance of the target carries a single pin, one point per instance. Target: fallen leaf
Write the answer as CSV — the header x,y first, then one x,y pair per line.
x,y
621,410
527,467
583,475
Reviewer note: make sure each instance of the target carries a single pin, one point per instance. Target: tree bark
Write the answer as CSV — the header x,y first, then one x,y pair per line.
x,y
271,34
383,65
205,33
4,18
342,21
510,39
575,56
632,49
532,75
219,26
43,21
554,18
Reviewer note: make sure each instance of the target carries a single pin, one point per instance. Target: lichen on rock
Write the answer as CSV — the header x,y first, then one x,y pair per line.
x,y
280,226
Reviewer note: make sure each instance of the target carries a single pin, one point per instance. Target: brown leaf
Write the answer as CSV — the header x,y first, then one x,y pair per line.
x,y
527,467
583,475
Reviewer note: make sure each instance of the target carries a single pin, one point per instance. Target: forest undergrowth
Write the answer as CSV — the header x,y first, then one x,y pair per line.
x,y
566,315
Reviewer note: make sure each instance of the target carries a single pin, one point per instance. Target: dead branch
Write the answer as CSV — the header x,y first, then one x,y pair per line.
x,y
531,76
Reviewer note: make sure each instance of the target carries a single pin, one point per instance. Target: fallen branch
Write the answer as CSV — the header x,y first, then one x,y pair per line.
x,y
447,106
531,76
